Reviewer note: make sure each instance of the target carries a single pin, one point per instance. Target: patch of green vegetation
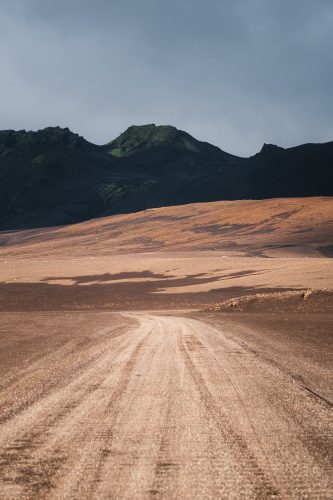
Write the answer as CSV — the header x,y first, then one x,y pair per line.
x,y
117,152
141,137
110,192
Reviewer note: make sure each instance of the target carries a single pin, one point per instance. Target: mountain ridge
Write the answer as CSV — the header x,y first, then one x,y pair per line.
x,y
54,176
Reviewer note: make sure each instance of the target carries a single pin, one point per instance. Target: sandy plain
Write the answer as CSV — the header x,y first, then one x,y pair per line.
x,y
116,384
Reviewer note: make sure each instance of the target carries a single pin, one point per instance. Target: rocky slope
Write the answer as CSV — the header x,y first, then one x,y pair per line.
x,y
54,177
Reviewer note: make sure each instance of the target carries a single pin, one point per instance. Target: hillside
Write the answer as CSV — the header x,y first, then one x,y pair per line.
x,y
54,177
275,227
180,257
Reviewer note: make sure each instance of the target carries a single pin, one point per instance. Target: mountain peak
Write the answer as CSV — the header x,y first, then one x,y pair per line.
x,y
49,136
140,138
270,149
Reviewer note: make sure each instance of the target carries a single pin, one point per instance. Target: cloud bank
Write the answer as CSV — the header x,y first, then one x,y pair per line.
x,y
235,73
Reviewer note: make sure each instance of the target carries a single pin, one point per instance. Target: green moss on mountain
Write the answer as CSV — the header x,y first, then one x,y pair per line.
x,y
137,139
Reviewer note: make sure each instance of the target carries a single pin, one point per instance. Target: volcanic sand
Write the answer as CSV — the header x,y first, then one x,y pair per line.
x,y
173,404
174,257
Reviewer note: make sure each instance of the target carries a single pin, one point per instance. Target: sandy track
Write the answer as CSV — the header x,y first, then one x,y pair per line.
x,y
161,406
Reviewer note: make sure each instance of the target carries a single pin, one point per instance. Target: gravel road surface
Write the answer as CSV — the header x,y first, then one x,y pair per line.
x,y
139,405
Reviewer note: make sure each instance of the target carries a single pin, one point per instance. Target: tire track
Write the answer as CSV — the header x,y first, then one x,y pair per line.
x,y
264,487
284,393
167,407
49,367
98,447
23,438
291,424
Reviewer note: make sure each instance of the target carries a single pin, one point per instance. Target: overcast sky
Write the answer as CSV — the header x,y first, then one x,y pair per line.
x,y
236,73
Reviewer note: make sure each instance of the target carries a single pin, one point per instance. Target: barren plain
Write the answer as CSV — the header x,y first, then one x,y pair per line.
x,y
122,376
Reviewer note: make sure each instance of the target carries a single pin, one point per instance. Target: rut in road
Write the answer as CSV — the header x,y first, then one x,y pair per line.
x,y
162,406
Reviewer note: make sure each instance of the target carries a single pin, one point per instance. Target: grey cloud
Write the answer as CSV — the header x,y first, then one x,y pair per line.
x,y
234,73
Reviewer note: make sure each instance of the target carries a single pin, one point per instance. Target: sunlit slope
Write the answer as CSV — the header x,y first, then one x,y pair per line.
x,y
295,226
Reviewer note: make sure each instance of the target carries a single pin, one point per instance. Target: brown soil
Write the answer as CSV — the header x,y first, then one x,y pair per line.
x,y
97,404
278,227
228,252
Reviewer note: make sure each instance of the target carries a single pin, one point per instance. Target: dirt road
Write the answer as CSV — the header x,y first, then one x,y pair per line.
x,y
142,405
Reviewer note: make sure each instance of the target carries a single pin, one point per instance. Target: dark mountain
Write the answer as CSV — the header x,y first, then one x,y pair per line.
x,y
53,176
148,144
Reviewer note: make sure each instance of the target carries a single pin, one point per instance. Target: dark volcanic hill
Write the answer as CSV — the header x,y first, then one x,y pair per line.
x,y
54,177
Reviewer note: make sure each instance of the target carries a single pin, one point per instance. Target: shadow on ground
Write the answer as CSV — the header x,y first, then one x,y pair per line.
x,y
122,291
